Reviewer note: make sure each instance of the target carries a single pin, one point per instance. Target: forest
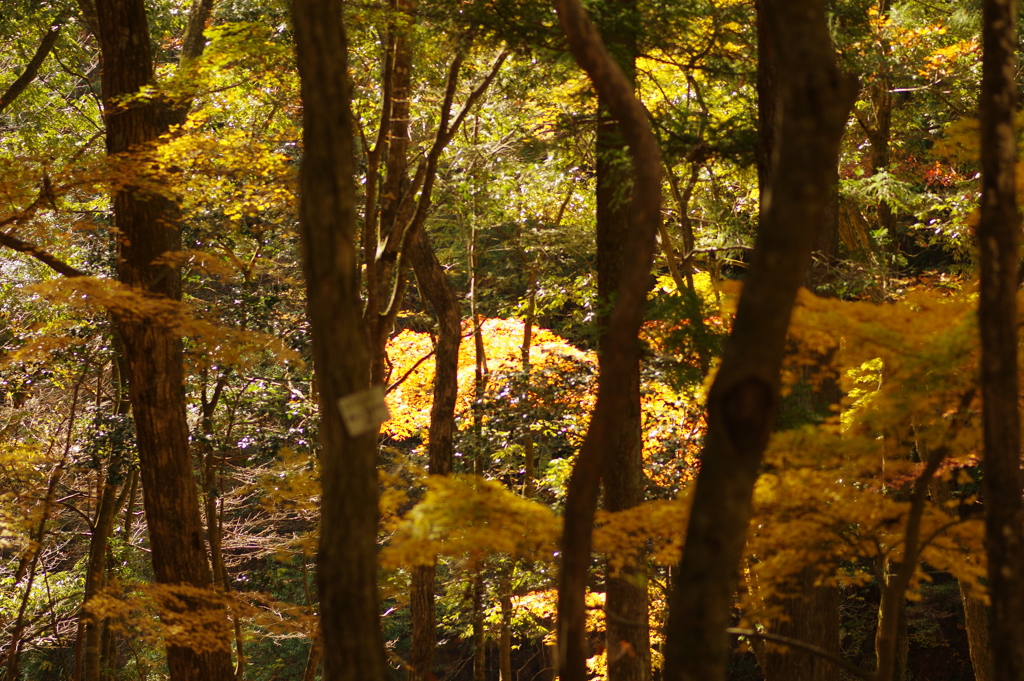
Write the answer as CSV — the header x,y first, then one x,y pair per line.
x,y
472,340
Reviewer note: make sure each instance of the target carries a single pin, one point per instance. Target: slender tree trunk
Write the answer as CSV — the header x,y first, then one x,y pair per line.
x,y
438,291
148,228
313,660
529,446
353,646
96,568
479,635
891,656
388,284
997,317
32,68
815,102
880,132
976,623
505,635
620,347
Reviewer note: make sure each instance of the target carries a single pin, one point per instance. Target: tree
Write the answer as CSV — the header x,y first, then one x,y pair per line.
x,y
628,645
353,646
1000,280
148,228
814,104
620,344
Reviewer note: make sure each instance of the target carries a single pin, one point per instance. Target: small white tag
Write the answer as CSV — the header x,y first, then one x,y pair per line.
x,y
363,411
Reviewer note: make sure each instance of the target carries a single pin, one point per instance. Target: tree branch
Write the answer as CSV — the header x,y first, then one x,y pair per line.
x,y
51,261
29,74
805,647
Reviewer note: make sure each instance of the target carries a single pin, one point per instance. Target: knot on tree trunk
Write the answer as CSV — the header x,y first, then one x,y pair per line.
x,y
747,408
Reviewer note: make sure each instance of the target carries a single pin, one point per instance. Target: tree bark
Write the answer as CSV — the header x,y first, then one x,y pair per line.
x,y
813,613
505,635
148,228
424,628
620,348
997,317
96,569
479,635
353,646
628,646
438,291
880,131
815,102
976,624
891,656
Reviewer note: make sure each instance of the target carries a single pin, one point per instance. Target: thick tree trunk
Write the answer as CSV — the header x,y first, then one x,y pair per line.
x,y
148,228
997,317
353,646
628,645
813,613
815,102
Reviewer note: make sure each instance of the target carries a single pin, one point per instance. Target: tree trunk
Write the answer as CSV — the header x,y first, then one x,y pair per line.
x,y
505,635
620,347
353,646
880,132
813,613
894,669
424,628
96,569
997,317
148,228
389,275
976,623
313,660
437,289
815,102
628,645
479,636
